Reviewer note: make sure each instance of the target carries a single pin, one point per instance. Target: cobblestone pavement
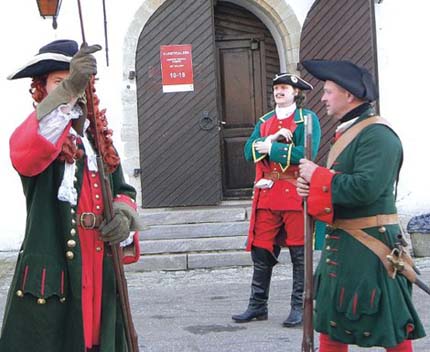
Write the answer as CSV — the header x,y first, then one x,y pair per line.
x,y
190,311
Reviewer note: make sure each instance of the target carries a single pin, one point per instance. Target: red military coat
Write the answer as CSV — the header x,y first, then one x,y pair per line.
x,y
284,158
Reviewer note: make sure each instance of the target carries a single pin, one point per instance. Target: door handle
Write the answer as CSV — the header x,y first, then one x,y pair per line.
x,y
206,122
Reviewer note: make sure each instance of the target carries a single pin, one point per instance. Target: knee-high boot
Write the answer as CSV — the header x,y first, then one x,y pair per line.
x,y
295,317
257,307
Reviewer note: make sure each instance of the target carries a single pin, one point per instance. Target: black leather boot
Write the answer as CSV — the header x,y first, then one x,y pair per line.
x,y
295,317
257,307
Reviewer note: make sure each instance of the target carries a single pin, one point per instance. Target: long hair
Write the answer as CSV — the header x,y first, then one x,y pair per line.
x,y
69,150
300,99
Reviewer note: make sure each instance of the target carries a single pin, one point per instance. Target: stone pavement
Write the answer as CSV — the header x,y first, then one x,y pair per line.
x,y
189,311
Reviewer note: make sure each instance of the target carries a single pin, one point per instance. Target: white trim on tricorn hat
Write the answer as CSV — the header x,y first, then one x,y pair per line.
x,y
292,80
54,56
20,73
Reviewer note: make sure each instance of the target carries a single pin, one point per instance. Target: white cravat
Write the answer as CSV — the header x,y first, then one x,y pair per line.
x,y
345,125
51,127
283,113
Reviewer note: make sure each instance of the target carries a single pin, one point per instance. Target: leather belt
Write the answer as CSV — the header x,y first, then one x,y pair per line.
x,y
89,221
276,175
354,228
370,221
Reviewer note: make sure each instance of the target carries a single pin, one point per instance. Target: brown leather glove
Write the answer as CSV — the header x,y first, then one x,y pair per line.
x,y
82,66
124,220
116,230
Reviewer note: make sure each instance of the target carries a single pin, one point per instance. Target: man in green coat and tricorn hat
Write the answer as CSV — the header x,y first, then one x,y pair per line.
x,y
63,295
363,282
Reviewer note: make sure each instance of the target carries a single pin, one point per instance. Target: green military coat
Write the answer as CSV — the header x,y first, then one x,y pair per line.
x,y
43,312
356,301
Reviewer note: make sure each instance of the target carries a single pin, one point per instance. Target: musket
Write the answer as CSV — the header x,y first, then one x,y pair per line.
x,y
308,328
117,254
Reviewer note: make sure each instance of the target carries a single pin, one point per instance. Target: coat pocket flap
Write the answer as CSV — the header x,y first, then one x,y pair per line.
x,y
41,276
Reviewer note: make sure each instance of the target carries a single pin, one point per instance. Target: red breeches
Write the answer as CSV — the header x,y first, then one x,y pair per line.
x,y
328,345
268,224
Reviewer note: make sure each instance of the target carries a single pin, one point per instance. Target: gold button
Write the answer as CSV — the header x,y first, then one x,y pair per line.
x,y
75,179
325,189
19,293
71,243
41,301
287,190
382,229
98,207
328,248
98,249
327,236
93,175
97,196
63,299
73,222
70,255
366,333
327,260
73,232
327,210
332,323
72,211
285,148
96,185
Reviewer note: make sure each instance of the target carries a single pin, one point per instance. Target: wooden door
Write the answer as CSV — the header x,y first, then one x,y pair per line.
x,y
337,30
178,132
241,67
247,62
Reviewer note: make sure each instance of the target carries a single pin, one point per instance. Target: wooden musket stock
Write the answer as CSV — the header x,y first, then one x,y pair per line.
x,y
308,328
121,281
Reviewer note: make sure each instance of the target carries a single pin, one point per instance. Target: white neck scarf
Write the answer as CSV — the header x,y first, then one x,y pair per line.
x,y
67,191
283,113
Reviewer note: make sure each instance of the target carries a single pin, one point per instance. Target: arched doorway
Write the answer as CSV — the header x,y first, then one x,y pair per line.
x,y
188,156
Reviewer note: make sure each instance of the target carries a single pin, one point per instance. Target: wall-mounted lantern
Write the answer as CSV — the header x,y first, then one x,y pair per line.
x,y
49,8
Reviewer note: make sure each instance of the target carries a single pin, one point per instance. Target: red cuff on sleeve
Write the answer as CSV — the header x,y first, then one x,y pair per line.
x,y
30,152
320,204
132,252
127,200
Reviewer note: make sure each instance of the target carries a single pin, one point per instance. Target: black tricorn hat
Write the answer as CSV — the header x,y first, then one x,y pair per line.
x,y
292,80
355,79
54,56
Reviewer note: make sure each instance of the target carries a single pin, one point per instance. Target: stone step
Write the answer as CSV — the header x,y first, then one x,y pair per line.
x,y
187,261
202,230
195,215
192,245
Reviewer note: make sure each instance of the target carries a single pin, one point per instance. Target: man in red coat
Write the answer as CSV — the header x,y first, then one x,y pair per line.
x,y
276,146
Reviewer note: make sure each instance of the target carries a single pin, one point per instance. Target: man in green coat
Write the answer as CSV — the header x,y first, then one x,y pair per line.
x,y
361,297
63,295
